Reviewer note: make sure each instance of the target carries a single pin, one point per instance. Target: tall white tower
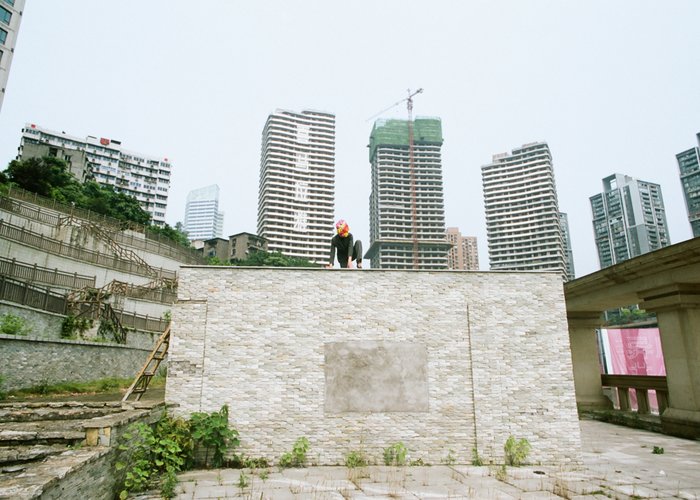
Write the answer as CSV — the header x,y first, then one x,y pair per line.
x,y
203,220
522,212
296,199
10,19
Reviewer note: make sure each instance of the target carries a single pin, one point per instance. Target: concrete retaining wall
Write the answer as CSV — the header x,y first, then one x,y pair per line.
x,y
441,361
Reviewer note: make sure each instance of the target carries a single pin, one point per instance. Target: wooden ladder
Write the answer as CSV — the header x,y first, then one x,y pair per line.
x,y
140,384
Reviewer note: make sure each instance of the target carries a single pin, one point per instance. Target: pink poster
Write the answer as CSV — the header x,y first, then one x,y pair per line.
x,y
636,351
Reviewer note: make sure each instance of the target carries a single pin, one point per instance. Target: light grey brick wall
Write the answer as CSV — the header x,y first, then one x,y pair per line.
x,y
255,339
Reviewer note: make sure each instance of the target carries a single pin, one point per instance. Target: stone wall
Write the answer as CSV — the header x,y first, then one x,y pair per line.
x,y
27,362
441,361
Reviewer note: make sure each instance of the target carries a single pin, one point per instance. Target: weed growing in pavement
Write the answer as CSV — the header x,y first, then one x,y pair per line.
x,y
516,451
297,457
395,454
657,450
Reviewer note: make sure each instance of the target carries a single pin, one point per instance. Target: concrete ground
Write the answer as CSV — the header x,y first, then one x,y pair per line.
x,y
618,463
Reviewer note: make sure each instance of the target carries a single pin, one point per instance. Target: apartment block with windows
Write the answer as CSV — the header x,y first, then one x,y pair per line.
x,y
568,250
464,253
406,208
10,19
146,178
629,219
689,169
296,197
522,211
203,220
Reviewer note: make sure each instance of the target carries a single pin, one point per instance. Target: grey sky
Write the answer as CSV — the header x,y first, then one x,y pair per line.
x,y
611,86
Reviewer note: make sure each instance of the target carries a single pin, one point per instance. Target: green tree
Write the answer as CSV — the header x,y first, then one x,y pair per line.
x,y
174,233
272,259
39,175
105,200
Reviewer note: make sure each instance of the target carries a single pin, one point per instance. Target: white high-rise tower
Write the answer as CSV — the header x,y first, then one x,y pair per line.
x,y
203,220
522,212
296,199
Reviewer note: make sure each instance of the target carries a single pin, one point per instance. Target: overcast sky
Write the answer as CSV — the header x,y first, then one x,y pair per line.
x,y
612,87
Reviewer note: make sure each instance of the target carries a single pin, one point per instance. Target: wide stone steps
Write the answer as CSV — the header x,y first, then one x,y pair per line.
x,y
13,455
66,432
29,412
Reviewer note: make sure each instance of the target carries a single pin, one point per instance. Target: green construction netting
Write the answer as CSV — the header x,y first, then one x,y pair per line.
x,y
391,132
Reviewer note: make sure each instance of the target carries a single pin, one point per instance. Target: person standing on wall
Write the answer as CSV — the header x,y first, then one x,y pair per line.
x,y
348,249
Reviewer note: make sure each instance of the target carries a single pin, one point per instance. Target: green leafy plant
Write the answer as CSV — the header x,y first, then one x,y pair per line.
x,y
212,431
13,325
395,454
356,458
297,457
149,455
107,329
450,458
476,459
243,480
501,473
657,450
73,327
516,451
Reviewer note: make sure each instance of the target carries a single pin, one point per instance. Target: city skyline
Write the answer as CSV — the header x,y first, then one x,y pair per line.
x,y
619,101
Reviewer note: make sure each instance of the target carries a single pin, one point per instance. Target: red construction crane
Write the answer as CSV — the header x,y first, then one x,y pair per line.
x,y
411,169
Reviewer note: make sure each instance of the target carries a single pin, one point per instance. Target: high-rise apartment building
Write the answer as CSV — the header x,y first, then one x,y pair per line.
x,y
406,209
689,166
568,251
296,199
146,178
10,19
203,220
464,253
522,211
629,219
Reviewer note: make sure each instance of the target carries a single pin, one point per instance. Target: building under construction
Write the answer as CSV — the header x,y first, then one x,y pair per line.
x,y
407,214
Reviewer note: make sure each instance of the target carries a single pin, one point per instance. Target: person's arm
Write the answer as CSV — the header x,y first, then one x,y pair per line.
x,y
351,243
332,259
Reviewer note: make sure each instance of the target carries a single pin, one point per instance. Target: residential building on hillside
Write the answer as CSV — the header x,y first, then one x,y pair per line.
x,y
238,246
522,211
689,166
629,219
568,251
202,217
242,245
406,208
10,19
296,198
146,178
464,253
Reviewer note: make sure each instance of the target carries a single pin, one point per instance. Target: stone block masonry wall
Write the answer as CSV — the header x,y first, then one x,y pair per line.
x,y
27,362
363,359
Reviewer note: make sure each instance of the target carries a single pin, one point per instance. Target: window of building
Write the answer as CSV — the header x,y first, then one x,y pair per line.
x,y
11,2
3,36
5,15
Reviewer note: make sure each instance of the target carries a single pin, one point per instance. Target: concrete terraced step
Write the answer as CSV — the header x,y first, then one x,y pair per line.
x,y
13,455
53,476
28,412
65,432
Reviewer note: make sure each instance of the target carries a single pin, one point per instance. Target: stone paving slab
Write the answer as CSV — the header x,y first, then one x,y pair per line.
x,y
618,463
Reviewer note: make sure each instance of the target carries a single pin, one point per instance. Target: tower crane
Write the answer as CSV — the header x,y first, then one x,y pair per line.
x,y
411,168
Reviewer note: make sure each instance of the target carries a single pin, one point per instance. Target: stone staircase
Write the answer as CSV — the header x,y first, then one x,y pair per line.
x,y
53,449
